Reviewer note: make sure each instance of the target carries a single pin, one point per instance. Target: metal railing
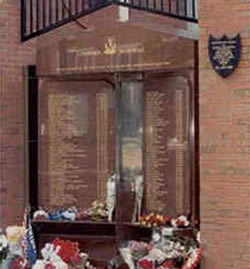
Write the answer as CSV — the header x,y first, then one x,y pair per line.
x,y
179,9
41,16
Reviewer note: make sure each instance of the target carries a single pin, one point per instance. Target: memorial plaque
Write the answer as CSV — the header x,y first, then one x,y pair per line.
x,y
76,149
120,48
166,138
224,54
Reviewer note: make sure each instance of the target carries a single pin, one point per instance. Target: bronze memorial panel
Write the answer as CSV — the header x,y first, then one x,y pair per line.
x,y
166,148
77,144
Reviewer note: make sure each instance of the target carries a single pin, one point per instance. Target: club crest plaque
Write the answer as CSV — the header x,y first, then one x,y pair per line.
x,y
224,54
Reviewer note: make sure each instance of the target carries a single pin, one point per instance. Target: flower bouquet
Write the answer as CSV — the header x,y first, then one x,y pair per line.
x,y
139,249
51,259
98,211
180,222
62,254
171,252
12,249
154,220
18,262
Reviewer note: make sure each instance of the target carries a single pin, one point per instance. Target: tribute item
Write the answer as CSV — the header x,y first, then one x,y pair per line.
x,y
111,196
224,54
138,189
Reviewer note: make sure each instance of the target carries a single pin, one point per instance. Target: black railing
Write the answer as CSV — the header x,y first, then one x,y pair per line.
x,y
41,16
179,9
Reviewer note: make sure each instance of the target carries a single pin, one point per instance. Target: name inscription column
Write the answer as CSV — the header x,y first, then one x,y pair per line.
x,y
67,160
167,167
156,158
179,150
76,143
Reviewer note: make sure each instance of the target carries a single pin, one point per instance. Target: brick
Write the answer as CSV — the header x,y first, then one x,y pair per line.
x,y
13,55
224,141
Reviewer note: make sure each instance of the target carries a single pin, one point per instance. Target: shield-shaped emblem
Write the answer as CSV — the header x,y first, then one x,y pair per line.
x,y
224,54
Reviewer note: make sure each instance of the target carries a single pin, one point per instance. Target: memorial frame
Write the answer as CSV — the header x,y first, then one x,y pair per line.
x,y
125,230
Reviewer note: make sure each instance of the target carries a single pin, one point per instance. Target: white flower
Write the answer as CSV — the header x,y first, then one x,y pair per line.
x,y
84,257
177,245
184,219
169,245
156,237
60,265
57,249
47,251
157,254
50,255
173,223
4,241
40,213
174,254
54,257
69,215
39,265
127,256
167,231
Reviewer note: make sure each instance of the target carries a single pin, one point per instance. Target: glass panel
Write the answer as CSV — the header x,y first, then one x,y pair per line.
x,y
132,130
130,149
132,142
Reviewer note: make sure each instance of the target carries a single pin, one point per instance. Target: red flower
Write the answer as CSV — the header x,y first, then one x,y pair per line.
x,y
168,264
146,264
67,250
49,266
180,223
18,263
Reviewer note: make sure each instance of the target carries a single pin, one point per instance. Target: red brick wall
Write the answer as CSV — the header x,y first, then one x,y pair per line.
x,y
225,141
13,56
